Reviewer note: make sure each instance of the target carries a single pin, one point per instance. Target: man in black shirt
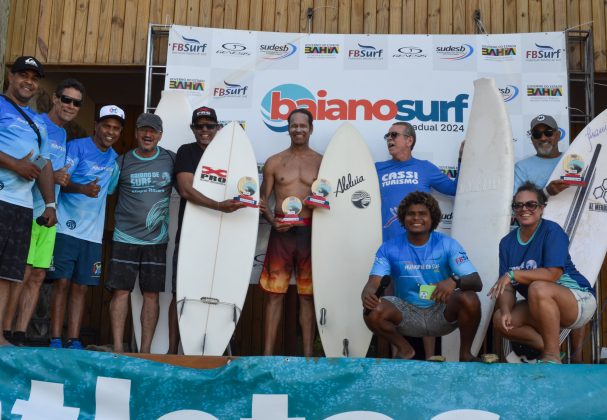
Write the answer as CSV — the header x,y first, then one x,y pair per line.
x,y
205,126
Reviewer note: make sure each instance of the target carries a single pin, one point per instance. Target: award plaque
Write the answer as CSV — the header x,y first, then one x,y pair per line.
x,y
291,207
320,190
574,169
247,186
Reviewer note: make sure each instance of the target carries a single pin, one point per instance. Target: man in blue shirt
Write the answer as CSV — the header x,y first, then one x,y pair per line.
x,y
66,103
403,174
435,283
81,210
20,165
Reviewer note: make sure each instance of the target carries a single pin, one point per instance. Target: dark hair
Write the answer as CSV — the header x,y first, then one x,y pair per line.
x,y
301,111
418,197
542,199
409,131
69,83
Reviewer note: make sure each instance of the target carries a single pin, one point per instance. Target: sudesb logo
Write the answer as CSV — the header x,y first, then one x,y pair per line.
x,y
279,101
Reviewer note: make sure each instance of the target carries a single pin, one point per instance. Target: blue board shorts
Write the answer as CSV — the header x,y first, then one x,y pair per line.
x,y
76,260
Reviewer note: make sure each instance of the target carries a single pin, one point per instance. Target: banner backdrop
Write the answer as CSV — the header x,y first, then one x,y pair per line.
x,y
370,80
69,384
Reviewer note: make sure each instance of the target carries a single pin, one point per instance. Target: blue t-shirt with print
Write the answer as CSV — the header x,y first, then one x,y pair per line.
x,y
17,139
56,153
412,266
79,215
547,247
397,179
534,169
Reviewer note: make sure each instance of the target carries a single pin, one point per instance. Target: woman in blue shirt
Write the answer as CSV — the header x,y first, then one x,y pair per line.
x,y
535,262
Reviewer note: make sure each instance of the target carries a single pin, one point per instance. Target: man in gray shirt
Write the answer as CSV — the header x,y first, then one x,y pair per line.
x,y
144,179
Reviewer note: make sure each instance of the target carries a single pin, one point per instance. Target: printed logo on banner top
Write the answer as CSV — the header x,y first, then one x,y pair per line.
x,y
498,52
188,46
233,49
409,52
321,50
543,53
191,85
433,115
365,52
276,51
454,51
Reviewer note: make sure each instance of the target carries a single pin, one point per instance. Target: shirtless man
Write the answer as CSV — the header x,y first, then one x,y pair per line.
x,y
290,173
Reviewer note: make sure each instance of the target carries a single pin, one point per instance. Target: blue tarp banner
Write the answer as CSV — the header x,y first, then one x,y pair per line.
x,y
69,384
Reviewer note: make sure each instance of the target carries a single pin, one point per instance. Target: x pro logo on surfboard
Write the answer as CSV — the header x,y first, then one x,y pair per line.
x,y
216,176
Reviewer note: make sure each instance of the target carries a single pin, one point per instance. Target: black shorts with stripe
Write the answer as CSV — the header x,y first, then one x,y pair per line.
x,y
128,261
15,235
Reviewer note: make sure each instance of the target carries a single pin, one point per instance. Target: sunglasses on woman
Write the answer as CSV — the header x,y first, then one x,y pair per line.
x,y
529,205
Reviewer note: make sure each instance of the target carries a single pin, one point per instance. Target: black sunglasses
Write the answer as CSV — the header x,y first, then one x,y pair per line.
x,y
203,126
529,205
67,100
392,135
537,134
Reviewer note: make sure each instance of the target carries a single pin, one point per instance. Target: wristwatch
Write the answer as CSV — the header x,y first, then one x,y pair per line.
x,y
457,279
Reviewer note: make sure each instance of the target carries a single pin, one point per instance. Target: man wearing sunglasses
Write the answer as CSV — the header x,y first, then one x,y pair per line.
x,y
23,162
545,136
205,126
66,103
404,174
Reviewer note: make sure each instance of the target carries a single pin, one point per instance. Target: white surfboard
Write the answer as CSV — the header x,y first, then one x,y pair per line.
x,y
344,241
175,111
481,213
216,249
582,210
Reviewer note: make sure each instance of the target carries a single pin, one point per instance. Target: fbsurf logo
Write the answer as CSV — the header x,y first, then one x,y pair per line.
x,y
454,52
230,90
365,52
543,53
189,46
279,101
277,51
509,92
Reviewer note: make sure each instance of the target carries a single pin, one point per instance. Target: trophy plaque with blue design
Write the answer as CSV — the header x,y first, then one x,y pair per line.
x,y
321,188
291,207
247,186
574,170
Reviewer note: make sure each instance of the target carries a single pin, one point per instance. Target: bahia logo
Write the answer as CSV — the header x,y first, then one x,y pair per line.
x,y
230,90
496,51
189,46
279,101
543,53
458,52
276,51
365,52
545,90
195,85
509,92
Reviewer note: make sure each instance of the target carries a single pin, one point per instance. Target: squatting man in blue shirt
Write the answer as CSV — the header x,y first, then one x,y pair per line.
x,y
435,284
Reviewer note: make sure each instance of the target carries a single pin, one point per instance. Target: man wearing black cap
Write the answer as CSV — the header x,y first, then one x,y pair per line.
x,y
77,255
144,179
545,136
205,126
23,160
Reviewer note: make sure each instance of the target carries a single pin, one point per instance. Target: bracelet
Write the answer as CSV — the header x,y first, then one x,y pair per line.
x,y
457,279
51,205
512,280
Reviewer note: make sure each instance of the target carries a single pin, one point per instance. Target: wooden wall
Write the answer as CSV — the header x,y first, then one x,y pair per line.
x,y
104,32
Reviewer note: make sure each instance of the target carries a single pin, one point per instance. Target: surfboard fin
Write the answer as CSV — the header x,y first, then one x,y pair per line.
x,y
346,351
323,316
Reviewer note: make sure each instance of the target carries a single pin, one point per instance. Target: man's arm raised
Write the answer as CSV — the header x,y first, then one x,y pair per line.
x,y
185,186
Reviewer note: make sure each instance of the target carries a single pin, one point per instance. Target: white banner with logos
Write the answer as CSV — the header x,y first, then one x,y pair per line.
x,y
257,78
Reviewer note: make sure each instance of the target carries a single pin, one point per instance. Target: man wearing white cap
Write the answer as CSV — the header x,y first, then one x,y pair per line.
x,y
81,215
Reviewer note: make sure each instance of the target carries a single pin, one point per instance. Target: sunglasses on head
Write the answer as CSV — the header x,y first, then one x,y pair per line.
x,y
67,100
529,205
203,126
392,135
537,134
